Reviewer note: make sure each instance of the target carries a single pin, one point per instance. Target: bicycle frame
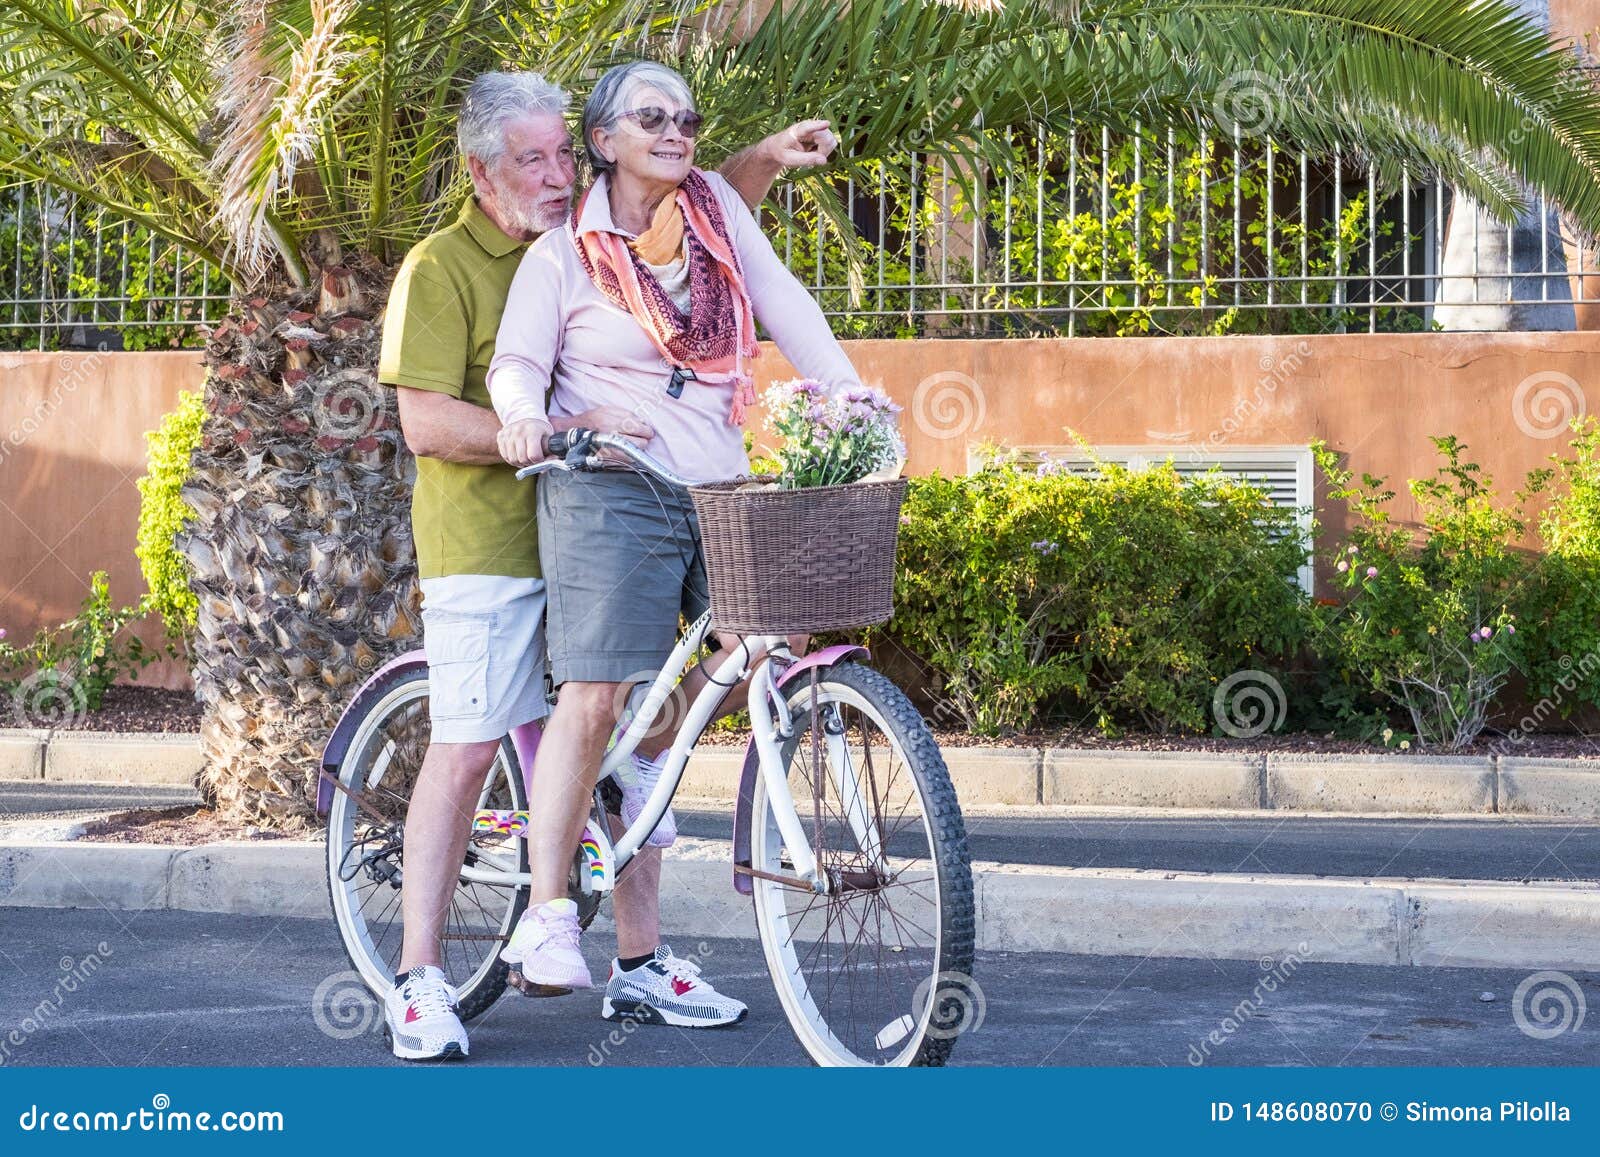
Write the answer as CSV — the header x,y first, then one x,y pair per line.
x,y
770,722
746,663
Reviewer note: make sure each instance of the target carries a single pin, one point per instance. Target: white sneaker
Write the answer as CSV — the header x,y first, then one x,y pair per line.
x,y
635,794
667,989
420,1018
544,947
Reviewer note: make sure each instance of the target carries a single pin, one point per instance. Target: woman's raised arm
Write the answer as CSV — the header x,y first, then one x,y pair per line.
x,y
781,303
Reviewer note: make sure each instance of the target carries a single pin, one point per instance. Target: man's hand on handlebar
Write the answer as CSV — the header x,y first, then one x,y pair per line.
x,y
620,422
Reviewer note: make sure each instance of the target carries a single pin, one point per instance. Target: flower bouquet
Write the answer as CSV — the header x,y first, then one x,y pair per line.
x,y
814,550
831,441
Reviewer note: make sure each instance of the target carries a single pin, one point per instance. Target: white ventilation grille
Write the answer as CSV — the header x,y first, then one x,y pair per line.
x,y
1284,472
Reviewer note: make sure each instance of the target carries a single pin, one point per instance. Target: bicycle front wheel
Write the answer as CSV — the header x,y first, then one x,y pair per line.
x,y
877,971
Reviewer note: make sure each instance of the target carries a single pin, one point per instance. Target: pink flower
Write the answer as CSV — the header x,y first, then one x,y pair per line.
x,y
1510,630
2,632
1372,572
1343,566
1352,548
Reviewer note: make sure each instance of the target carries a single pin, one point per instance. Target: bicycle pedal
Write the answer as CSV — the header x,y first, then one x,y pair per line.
x,y
528,988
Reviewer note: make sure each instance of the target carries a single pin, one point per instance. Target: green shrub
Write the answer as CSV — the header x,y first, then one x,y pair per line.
x,y
1123,598
163,513
1430,622
65,670
1563,634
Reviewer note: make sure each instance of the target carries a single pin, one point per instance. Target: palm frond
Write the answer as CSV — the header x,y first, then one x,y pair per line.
x,y
248,126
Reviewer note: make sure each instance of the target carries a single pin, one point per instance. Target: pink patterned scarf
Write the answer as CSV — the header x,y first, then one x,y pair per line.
x,y
717,337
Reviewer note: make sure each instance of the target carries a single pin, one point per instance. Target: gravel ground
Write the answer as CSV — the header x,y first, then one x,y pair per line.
x,y
141,709
146,710
184,826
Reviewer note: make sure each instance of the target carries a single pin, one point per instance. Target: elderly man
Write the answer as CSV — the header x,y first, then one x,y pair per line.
x,y
476,539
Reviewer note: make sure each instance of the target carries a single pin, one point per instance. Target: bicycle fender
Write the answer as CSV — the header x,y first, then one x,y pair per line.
x,y
344,731
826,657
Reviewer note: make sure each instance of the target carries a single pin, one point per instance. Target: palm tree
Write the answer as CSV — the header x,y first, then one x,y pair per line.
x,y
302,145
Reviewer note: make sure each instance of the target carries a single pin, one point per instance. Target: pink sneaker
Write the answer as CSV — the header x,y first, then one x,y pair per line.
x,y
646,773
544,947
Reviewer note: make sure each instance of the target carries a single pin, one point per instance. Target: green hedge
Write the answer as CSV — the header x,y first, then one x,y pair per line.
x,y
163,513
1142,599
1036,595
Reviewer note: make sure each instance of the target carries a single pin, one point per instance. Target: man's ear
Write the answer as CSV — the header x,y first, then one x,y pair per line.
x,y
479,172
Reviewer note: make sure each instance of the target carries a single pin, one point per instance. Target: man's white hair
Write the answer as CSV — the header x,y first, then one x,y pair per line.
x,y
497,98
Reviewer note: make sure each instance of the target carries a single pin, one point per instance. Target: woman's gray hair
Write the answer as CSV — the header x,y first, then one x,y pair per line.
x,y
615,94
494,99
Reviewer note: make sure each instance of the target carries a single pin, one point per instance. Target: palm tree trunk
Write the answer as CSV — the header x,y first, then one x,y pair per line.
x,y
1492,281
300,552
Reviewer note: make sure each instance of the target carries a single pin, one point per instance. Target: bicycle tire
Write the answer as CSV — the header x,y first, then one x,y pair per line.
x,y
486,984
945,833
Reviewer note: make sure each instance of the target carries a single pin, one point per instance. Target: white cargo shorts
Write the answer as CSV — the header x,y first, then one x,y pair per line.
x,y
484,635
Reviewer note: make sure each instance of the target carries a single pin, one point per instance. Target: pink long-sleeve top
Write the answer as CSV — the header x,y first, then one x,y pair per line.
x,y
559,328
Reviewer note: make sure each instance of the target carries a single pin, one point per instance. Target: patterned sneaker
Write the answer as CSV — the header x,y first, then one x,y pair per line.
x,y
668,990
635,794
420,1018
544,947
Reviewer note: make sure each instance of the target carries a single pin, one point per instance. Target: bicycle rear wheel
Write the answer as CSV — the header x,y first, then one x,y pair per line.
x,y
366,830
879,970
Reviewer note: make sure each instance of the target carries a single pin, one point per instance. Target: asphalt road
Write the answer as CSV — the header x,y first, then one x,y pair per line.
x,y
1492,848
35,799
175,988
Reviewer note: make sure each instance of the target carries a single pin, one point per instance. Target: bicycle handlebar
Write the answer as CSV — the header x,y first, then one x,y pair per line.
x,y
579,449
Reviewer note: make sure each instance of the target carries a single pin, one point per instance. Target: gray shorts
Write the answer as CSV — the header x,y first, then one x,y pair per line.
x,y
621,559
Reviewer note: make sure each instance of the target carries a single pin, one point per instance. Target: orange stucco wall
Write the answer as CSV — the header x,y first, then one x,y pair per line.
x,y
71,446
72,425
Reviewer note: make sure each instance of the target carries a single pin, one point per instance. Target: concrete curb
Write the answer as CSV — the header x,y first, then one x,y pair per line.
x,y
99,757
1432,923
1015,776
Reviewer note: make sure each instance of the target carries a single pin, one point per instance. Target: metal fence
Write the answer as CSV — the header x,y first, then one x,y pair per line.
x,y
1088,234
74,277
1076,234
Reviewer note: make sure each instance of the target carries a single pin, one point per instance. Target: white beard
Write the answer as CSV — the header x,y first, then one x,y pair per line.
x,y
530,218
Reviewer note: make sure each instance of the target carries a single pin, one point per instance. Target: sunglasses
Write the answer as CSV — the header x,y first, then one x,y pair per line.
x,y
653,119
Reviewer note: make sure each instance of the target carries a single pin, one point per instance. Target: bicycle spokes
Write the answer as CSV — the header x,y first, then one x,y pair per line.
x,y
856,964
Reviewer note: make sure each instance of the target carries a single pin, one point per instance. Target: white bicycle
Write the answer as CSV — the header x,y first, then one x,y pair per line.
x,y
847,834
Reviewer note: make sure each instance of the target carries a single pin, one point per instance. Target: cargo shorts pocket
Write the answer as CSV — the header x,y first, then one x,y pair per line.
x,y
458,664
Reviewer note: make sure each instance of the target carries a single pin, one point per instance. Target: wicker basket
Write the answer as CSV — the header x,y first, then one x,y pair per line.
x,y
789,562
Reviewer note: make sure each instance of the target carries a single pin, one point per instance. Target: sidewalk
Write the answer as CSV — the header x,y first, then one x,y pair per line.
x,y
1123,853
1016,777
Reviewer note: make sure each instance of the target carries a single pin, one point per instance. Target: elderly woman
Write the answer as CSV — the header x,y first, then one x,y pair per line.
x,y
647,301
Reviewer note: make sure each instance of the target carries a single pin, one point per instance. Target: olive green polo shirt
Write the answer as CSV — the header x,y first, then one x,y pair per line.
x,y
438,334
